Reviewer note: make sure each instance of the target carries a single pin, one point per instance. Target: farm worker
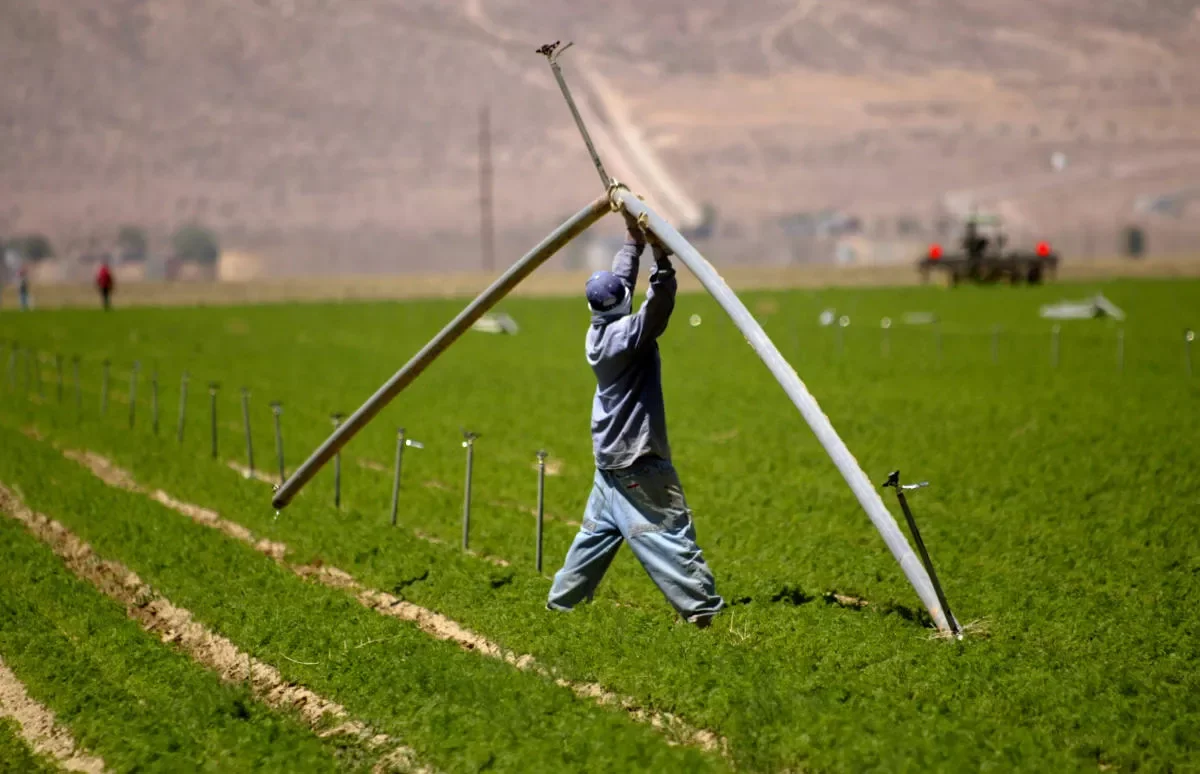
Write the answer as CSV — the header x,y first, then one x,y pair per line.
x,y
23,286
104,282
636,494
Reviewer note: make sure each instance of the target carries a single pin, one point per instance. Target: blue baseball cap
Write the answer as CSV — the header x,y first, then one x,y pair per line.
x,y
606,292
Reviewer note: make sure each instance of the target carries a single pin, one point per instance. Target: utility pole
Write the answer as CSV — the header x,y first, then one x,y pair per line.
x,y
486,223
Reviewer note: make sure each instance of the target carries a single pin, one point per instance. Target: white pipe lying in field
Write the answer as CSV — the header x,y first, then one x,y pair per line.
x,y
867,495
455,328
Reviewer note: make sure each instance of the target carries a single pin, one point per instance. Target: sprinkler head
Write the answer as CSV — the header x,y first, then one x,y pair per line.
x,y
893,480
885,323
276,407
1189,335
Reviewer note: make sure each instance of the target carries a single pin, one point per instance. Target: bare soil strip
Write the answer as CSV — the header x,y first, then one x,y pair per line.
x,y
38,728
175,625
435,624
257,475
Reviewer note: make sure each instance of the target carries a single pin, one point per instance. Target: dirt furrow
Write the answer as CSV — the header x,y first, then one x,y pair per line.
x,y
435,624
257,475
39,729
175,625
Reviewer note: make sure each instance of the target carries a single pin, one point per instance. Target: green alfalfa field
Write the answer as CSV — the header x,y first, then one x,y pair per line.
x,y
1063,515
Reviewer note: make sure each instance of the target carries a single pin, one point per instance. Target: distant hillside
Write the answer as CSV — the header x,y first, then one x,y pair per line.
x,y
344,136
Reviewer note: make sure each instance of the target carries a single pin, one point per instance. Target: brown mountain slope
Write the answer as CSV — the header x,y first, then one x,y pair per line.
x,y
344,135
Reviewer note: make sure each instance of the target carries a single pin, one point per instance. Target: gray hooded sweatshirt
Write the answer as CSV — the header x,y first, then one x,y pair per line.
x,y
628,417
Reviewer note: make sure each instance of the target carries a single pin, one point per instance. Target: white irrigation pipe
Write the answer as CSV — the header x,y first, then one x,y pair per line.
x,y
789,380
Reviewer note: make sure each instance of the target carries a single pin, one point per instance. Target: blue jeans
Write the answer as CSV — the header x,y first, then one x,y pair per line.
x,y
643,504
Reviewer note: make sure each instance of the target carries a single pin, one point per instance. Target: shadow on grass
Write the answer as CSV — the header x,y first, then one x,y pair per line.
x,y
795,596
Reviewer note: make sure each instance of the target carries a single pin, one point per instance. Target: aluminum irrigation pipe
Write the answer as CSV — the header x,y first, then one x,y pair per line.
x,y
419,362
789,380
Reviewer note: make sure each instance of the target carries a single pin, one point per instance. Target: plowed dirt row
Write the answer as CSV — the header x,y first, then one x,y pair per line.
x,y
429,621
176,625
39,729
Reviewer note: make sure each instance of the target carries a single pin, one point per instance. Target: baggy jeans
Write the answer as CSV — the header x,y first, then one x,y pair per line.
x,y
645,505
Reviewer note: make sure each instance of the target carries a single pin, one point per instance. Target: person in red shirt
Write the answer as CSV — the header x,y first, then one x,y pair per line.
x,y
104,281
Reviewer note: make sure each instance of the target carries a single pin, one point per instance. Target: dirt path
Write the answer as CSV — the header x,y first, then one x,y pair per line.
x,y
39,729
432,623
176,625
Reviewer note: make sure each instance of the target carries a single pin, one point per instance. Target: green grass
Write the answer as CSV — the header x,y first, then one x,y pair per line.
x,y
1061,512
125,696
460,712
15,755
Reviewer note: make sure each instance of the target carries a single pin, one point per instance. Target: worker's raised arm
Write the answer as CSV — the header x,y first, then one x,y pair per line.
x,y
644,328
626,261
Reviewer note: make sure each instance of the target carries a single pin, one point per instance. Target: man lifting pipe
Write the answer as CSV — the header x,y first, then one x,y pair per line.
x,y
636,495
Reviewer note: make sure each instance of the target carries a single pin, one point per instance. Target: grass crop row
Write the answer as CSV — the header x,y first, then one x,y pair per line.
x,y
124,695
458,710
15,755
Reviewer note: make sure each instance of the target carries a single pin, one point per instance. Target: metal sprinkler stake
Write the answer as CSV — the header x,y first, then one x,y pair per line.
x,y
58,371
401,442
894,481
885,342
541,505
1188,337
276,411
1055,332
12,366
78,386
246,423
337,465
843,323
183,384
937,335
1121,350
37,373
213,387
468,444
154,400
104,389
133,375
995,344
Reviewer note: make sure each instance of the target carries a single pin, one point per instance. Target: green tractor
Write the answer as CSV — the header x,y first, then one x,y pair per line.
x,y
984,257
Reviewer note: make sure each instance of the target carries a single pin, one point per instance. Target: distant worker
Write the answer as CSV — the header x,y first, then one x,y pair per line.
x,y
636,493
23,286
104,283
